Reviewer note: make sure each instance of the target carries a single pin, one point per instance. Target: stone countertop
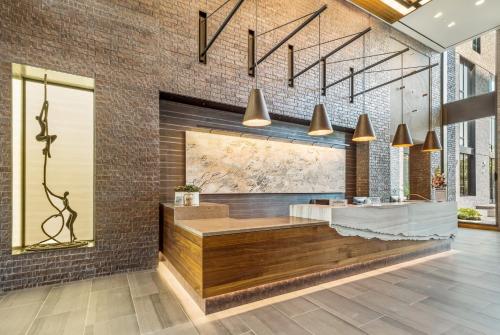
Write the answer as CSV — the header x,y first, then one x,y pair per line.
x,y
227,225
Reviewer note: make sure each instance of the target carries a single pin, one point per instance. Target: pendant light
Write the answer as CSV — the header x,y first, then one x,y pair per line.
x,y
364,130
320,123
402,138
256,114
432,142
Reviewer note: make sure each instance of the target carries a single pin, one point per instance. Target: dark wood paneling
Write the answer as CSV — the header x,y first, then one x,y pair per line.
x,y
183,250
239,261
176,118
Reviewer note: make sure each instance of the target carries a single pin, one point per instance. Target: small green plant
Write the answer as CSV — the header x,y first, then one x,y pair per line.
x,y
188,188
469,214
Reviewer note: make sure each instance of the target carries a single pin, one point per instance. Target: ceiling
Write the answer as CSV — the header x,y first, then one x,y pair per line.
x,y
439,24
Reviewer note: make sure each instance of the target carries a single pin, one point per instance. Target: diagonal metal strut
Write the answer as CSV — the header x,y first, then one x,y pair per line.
x,y
290,35
221,27
397,79
366,68
334,51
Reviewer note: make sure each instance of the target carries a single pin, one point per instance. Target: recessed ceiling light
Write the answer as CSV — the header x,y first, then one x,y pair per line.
x,y
479,2
438,15
423,2
451,24
399,7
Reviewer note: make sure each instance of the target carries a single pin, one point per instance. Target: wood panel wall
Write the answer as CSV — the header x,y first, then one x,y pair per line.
x,y
176,118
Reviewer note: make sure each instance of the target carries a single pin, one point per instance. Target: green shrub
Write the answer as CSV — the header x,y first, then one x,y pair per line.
x,y
188,188
469,214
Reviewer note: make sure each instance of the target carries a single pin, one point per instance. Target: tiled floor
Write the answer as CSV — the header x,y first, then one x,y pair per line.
x,y
455,294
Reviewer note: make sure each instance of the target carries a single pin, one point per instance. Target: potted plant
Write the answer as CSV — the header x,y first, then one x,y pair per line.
x,y
439,185
469,215
187,195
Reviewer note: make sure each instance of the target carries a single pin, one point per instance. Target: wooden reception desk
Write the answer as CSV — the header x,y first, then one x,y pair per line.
x,y
224,262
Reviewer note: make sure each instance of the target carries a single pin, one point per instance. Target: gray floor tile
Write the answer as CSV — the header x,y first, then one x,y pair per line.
x,y
109,282
268,320
296,306
68,323
107,305
24,297
388,326
16,320
320,322
146,283
346,309
66,298
125,325
158,311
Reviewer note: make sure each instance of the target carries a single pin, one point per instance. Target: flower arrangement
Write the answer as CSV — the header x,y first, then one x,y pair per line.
x,y
438,180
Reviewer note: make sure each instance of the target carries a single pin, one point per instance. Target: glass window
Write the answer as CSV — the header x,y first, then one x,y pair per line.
x,y
466,174
476,45
466,79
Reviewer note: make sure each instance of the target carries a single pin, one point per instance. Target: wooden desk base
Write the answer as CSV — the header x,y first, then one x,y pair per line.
x,y
225,271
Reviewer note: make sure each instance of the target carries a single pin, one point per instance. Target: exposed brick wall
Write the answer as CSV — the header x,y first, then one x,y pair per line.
x,y
135,48
116,45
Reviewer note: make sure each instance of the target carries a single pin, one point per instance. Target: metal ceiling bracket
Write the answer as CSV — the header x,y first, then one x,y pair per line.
x,y
251,52
334,51
351,97
291,34
323,76
291,66
397,79
368,67
203,46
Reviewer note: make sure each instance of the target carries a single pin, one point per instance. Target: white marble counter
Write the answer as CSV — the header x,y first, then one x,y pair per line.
x,y
414,220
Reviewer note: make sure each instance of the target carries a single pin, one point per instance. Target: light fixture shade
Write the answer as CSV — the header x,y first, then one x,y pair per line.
x,y
432,142
320,123
256,114
402,138
364,130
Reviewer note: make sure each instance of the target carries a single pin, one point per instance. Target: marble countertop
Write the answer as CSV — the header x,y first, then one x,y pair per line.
x,y
227,225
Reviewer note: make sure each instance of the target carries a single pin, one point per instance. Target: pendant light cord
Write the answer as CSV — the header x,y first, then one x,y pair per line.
x,y
401,88
255,47
430,95
319,59
364,74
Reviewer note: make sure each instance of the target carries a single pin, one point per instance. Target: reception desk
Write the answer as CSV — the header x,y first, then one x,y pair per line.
x,y
224,262
412,220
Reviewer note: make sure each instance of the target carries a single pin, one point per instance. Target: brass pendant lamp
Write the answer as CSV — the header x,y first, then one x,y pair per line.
x,y
432,142
256,114
320,123
402,138
364,130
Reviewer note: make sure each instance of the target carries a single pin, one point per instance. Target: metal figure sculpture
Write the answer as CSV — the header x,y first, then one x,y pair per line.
x,y
64,215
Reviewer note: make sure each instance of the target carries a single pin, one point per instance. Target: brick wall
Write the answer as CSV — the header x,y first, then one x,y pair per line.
x,y
420,172
136,48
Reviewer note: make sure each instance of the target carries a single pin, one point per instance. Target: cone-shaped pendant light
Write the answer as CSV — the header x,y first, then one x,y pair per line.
x,y
364,130
256,114
402,138
320,122
432,142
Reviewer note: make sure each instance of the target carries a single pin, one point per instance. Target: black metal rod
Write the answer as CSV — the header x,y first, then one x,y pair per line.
x,y
325,42
323,78
291,65
222,26
217,9
368,67
290,35
285,24
351,97
396,79
334,51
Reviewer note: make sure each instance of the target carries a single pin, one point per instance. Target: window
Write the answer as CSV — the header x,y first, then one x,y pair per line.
x,y
466,174
466,79
476,45
492,180
492,134
466,134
